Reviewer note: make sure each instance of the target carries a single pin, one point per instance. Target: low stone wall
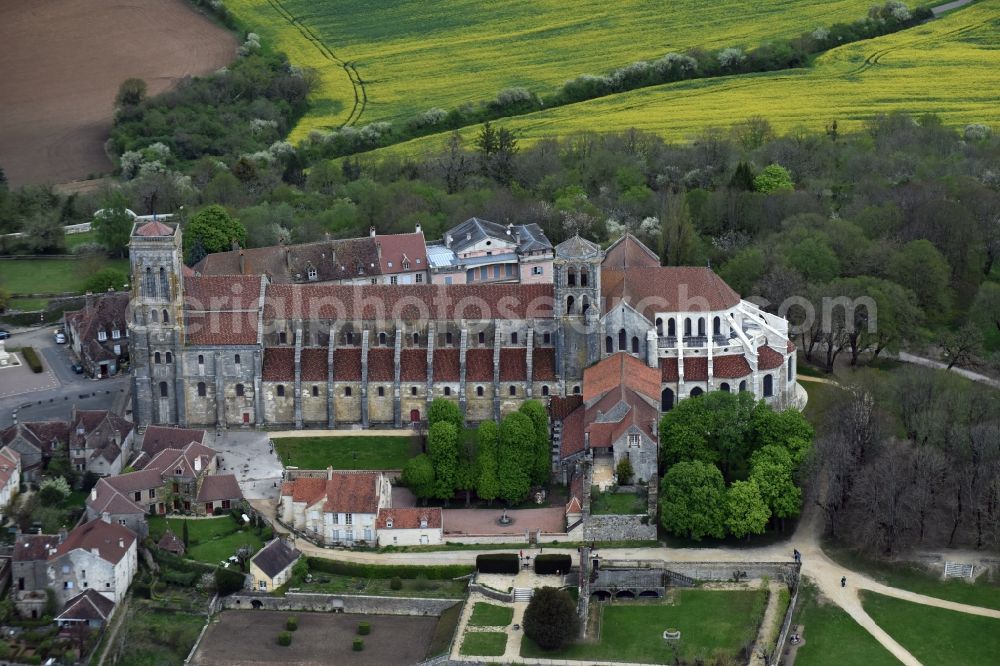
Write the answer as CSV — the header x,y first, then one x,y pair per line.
x,y
488,538
619,528
347,603
496,595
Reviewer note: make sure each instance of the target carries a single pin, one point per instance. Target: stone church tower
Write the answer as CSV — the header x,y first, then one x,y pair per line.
x,y
577,280
156,325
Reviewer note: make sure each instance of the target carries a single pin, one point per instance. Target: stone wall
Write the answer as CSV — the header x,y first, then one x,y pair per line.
x,y
619,528
787,572
362,604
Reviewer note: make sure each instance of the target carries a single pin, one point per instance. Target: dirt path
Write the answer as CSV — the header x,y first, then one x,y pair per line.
x,y
948,6
768,629
930,363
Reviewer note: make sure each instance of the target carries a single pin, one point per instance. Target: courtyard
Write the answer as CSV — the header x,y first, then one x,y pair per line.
x,y
250,637
484,521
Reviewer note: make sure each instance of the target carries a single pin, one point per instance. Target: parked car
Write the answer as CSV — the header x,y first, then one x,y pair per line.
x,y
60,338
77,368
4,334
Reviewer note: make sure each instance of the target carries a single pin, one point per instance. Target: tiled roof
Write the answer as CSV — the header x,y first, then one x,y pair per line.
x,y
34,547
409,518
731,366
219,487
144,479
696,368
544,362
629,252
381,364
108,313
39,434
109,497
337,259
414,365
572,432
347,364
314,367
560,408
344,492
279,364
617,412
526,237
88,606
478,365
668,369
275,557
666,289
154,228
791,346
514,364
170,543
573,506
221,328
111,541
193,460
397,247
222,310
620,368
446,365
768,359
9,462
158,438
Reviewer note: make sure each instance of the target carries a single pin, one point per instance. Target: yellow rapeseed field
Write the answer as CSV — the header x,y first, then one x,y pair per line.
x,y
950,67
412,55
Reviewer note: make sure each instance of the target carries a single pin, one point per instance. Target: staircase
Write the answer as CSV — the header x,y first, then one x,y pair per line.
x,y
523,594
957,570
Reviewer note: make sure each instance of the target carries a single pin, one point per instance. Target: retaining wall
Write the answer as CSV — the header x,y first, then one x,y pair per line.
x,y
350,603
619,528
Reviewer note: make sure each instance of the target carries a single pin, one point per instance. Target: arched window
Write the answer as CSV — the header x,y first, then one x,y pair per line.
x,y
350,337
163,389
447,338
416,338
447,390
571,277
672,327
381,391
513,338
576,390
315,391
666,400
701,327
635,345
170,357
569,305
164,285
413,390
239,390
695,392
149,283
166,317
347,391
513,390
201,359
482,337
202,391
768,386
545,389
156,357
583,277
609,345
236,359
381,339
584,305
724,387
154,316
743,386
687,327
717,326
622,339
479,391
659,327
280,390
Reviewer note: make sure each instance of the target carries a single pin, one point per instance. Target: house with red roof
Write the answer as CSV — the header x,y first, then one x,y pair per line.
x,y
335,507
410,526
35,442
98,332
96,555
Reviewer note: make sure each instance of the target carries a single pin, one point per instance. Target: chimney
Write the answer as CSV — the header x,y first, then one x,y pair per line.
x,y
121,542
288,257
93,494
329,473
418,229
468,235
371,231
90,300
510,229
378,250
62,534
106,517
447,241
197,464
243,264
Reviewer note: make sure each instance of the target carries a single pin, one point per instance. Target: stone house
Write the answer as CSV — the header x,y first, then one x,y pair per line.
x,y
96,555
90,607
157,438
413,526
271,566
478,250
98,333
99,441
336,507
10,475
36,443
123,500
29,571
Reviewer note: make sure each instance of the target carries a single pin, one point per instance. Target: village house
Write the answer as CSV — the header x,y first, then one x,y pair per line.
x,y
99,441
96,555
157,438
91,608
29,572
271,566
412,526
98,333
35,442
10,475
335,507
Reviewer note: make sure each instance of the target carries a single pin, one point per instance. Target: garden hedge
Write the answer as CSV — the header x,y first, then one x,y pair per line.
x,y
31,358
499,563
550,564
228,581
435,572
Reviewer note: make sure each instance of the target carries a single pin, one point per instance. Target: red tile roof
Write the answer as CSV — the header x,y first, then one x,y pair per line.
x,y
544,364
314,364
446,365
222,292
620,369
34,547
791,346
154,228
279,364
768,359
221,328
112,541
397,247
414,365
9,462
696,368
381,364
560,408
666,289
514,364
347,364
409,518
90,605
668,369
158,438
628,252
478,365
731,366
107,497
572,432
344,492
336,259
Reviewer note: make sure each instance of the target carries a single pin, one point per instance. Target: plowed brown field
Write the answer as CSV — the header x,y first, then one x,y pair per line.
x,y
61,62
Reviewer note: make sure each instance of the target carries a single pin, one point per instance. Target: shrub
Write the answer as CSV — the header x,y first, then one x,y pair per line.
x,y
358,645
227,581
550,619
292,623
181,579
381,571
31,358
364,628
501,563
396,583
285,638
550,564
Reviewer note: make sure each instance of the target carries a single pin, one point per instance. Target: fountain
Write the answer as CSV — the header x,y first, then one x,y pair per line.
x,y
505,519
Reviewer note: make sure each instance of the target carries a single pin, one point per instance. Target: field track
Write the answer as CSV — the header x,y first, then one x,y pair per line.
x,y
62,62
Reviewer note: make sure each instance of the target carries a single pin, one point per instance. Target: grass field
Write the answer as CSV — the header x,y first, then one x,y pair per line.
x,y
346,452
936,635
712,623
833,638
490,615
412,56
949,67
47,276
211,540
484,644
617,503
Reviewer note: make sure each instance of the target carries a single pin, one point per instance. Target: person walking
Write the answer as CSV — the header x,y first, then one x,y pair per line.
x,y
843,581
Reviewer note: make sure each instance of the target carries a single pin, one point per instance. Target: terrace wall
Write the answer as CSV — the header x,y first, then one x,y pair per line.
x,y
350,603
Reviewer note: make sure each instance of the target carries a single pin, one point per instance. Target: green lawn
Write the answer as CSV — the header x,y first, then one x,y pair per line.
x,y
34,276
484,644
346,452
936,635
491,615
155,637
833,638
821,398
712,623
617,503
210,540
916,579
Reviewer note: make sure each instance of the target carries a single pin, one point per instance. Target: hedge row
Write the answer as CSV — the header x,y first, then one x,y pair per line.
x,y
500,563
436,572
550,564
31,358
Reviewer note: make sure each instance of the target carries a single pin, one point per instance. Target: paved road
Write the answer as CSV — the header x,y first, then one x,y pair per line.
x,y
948,6
968,374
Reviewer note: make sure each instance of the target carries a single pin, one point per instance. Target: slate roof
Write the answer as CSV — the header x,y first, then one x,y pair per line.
x,y
88,606
666,289
112,541
768,359
395,248
217,487
529,237
577,248
409,518
338,259
275,557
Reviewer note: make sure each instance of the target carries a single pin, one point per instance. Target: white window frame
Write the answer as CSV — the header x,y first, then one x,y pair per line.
x,y
102,335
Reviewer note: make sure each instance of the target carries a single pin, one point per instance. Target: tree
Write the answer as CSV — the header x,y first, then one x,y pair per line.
x,y
680,240
487,143
742,178
442,447
624,472
692,500
746,511
442,409
774,178
105,279
44,232
986,306
753,132
131,92
487,449
921,268
516,456
962,347
185,537
216,230
53,491
744,270
114,224
550,618
542,463
418,476
197,252
455,164
772,469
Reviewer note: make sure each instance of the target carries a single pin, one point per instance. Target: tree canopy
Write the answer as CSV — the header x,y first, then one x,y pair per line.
x,y
692,500
113,224
517,457
215,229
550,618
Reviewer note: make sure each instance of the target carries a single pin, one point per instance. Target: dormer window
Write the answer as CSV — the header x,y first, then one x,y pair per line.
x,y
388,523
178,471
102,335
423,523
311,272
406,265
389,264
115,334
